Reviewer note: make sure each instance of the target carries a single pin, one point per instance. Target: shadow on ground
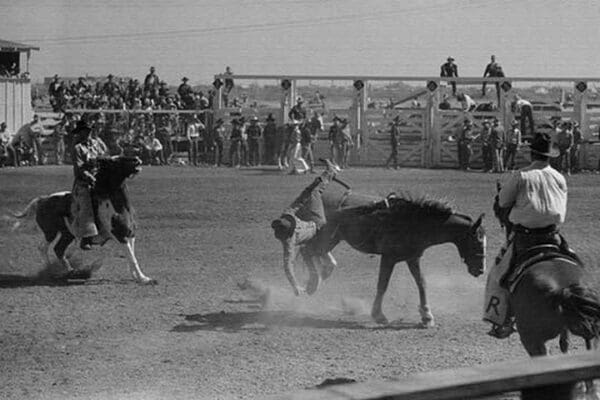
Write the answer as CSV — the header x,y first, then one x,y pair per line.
x,y
263,320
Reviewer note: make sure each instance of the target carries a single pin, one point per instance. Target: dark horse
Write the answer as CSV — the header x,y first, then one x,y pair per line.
x,y
552,298
401,228
114,214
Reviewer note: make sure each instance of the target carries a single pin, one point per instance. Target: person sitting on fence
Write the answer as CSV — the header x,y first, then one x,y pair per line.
x,y
467,103
449,69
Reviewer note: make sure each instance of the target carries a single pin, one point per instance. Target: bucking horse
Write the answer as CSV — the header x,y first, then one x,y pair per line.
x,y
113,211
398,228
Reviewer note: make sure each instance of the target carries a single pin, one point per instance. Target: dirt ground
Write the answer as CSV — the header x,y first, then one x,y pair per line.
x,y
197,335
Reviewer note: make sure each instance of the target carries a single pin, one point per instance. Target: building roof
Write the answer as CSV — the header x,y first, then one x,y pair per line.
x,y
7,45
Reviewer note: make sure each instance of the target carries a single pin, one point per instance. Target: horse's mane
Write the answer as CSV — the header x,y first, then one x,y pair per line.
x,y
407,206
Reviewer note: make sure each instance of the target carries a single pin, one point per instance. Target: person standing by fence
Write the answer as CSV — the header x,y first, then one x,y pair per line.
x,y
254,134
235,144
193,137
525,109
218,139
295,151
394,136
270,140
486,147
577,139
513,142
465,140
497,144
564,140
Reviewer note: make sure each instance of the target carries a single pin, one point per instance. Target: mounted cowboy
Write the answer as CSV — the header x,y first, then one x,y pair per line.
x,y
534,203
85,155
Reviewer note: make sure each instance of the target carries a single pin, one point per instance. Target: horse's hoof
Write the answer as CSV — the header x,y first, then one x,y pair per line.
x,y
149,282
380,319
425,324
313,284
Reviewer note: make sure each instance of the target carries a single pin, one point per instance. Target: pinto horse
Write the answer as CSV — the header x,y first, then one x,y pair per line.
x,y
113,210
399,228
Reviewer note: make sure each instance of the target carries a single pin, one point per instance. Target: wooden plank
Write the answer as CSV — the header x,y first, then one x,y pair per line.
x,y
461,80
467,382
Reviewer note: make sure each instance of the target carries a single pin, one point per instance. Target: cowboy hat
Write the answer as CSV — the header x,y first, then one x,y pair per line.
x,y
270,117
450,58
185,79
81,127
542,144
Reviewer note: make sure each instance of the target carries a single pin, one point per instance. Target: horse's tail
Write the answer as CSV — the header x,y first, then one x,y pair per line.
x,y
27,213
580,307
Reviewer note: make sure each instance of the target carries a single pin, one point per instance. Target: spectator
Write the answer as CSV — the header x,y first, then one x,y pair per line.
x,y
270,140
54,90
282,145
486,147
25,144
513,142
151,84
465,140
5,137
394,136
193,137
254,134
334,137
467,103
155,148
307,143
186,93
110,88
295,150
346,144
564,140
235,144
449,69
218,141
492,70
298,112
577,139
497,145
525,109
228,83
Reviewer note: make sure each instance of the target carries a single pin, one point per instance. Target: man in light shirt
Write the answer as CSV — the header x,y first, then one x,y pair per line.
x,y
536,198
28,136
467,103
524,107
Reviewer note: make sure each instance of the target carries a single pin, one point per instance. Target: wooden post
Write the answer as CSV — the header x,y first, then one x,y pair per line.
x,y
432,129
506,114
580,115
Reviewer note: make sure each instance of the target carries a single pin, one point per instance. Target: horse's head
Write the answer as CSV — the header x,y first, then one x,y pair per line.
x,y
114,170
471,247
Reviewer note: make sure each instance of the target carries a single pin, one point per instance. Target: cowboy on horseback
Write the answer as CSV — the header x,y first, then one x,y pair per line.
x,y
86,152
534,202
300,223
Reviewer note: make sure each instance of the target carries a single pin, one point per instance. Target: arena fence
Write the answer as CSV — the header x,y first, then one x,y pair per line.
x,y
428,132
15,102
540,376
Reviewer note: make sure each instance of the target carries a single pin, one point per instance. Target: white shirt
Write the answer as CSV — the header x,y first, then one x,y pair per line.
x,y
520,103
468,103
537,194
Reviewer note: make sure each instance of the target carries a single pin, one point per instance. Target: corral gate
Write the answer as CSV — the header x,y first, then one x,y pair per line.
x,y
428,134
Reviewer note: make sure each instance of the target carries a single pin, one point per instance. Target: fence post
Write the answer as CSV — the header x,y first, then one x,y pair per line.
x,y
580,115
506,114
432,127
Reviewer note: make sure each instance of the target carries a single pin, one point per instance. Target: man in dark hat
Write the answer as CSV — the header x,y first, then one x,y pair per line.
x,y
85,153
394,137
492,70
110,87
270,140
218,139
465,142
535,198
513,142
300,222
186,93
254,135
449,69
298,112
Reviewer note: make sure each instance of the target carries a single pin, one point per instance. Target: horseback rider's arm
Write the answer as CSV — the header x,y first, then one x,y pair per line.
x,y
508,194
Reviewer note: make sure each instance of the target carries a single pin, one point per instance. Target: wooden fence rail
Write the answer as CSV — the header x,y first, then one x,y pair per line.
x,y
468,383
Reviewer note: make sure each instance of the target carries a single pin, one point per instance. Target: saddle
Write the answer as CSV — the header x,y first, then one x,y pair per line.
x,y
533,255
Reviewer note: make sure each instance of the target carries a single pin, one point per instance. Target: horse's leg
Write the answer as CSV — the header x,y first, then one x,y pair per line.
x,y
43,248
60,248
134,267
328,263
314,279
590,388
563,342
534,347
426,315
386,266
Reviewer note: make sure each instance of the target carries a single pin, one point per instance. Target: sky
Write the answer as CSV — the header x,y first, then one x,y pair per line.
x,y
198,38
